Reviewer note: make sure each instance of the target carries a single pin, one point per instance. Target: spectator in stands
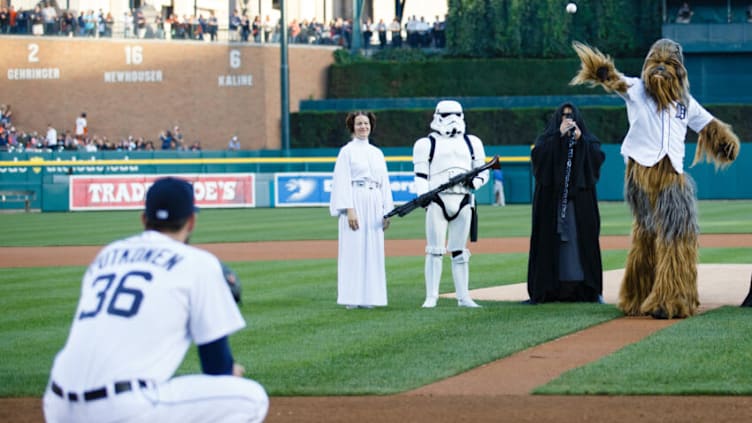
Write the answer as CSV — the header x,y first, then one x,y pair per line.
x,y
49,17
268,27
51,138
439,32
69,142
6,114
257,29
177,136
82,126
81,24
234,27
234,144
411,27
749,13
4,142
91,23
12,15
127,24
69,24
22,21
245,28
367,33
684,14
424,33
213,26
165,137
12,137
4,20
293,30
90,147
381,29
347,26
109,22
37,23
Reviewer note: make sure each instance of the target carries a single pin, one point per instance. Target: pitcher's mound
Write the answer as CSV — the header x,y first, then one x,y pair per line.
x,y
718,284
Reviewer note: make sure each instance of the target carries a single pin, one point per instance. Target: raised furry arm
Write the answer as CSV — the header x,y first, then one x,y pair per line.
x,y
597,68
718,144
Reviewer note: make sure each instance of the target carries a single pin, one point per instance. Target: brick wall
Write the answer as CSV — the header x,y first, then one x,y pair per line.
x,y
141,87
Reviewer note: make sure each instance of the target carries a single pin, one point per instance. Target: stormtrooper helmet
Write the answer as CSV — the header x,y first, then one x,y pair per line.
x,y
448,119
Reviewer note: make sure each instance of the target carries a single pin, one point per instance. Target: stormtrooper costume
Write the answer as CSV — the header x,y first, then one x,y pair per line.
x,y
445,153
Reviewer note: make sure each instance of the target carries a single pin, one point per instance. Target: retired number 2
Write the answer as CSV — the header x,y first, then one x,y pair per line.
x,y
125,301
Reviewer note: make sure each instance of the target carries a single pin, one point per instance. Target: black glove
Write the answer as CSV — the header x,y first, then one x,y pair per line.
x,y
470,184
233,282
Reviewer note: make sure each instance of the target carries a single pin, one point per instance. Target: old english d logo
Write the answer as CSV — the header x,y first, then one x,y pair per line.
x,y
681,111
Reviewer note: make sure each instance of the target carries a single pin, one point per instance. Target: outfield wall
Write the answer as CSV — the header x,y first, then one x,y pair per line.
x,y
49,175
139,87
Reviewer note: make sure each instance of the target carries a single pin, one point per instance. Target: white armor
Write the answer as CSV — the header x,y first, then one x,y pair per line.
x,y
448,227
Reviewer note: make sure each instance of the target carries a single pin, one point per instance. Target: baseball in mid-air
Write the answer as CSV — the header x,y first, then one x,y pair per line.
x,y
571,8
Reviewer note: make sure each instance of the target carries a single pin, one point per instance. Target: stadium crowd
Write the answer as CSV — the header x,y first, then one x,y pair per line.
x,y
47,20
80,139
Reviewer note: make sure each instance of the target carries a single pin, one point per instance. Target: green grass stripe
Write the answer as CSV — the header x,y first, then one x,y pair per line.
x,y
314,223
709,354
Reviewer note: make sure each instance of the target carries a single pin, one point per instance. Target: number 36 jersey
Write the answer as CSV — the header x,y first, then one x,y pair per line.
x,y
143,301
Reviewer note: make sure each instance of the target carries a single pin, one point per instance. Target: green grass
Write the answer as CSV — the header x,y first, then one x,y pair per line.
x,y
299,342
283,224
705,355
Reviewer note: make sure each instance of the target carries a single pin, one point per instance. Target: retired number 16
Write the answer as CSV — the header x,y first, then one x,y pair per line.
x,y
134,55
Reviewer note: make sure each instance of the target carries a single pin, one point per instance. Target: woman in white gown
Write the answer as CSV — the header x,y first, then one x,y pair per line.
x,y
361,196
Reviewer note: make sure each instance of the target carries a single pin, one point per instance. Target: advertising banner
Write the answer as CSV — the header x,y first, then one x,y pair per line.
x,y
314,188
127,192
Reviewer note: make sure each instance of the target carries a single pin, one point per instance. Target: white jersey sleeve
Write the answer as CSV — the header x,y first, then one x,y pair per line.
x,y
214,313
697,116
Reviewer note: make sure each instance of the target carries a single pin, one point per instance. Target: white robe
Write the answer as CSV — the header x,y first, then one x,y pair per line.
x,y
361,274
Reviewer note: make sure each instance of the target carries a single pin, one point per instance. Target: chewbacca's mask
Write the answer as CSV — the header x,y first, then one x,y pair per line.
x,y
664,74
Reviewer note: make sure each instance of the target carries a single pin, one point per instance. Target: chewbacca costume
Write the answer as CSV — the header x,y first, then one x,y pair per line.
x,y
660,276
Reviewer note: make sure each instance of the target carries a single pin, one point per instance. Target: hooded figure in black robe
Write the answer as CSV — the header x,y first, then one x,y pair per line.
x,y
748,301
565,255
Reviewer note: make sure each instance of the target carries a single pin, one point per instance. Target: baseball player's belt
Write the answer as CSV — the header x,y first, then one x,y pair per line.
x,y
95,394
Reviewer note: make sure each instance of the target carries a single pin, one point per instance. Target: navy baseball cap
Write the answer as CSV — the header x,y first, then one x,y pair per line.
x,y
170,199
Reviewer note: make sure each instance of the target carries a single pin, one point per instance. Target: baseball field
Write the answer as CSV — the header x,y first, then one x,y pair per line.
x,y
322,363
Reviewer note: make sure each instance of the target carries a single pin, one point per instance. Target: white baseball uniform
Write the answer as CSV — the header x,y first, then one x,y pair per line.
x,y
81,125
652,135
143,301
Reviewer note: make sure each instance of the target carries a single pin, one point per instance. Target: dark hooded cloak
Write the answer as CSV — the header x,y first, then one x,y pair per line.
x,y
549,157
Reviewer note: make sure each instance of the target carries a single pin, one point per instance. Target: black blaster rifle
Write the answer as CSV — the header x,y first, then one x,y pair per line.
x,y
424,200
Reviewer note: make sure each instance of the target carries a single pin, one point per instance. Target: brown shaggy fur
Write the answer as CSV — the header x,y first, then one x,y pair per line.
x,y
664,74
661,270
657,277
717,144
597,69
639,272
